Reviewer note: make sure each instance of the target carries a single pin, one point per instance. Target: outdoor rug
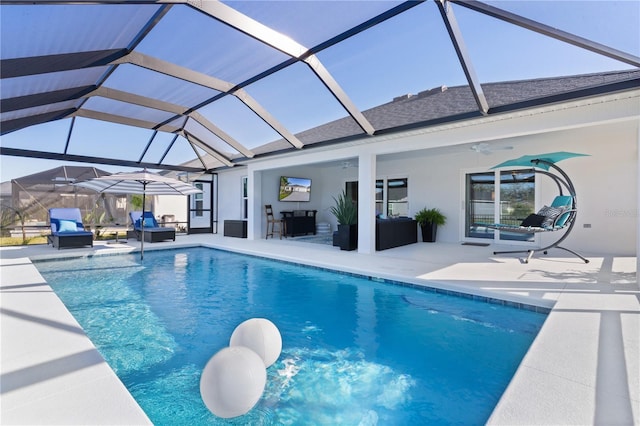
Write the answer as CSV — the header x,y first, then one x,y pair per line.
x,y
316,239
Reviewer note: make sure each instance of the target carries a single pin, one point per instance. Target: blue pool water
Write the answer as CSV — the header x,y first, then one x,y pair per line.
x,y
355,351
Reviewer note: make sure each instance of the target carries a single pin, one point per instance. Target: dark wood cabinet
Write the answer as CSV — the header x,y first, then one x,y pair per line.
x,y
299,222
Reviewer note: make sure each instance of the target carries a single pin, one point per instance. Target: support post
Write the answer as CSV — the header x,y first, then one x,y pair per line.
x,y
367,203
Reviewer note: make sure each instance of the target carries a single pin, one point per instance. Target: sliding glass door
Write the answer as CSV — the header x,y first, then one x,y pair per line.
x,y
517,201
480,205
505,197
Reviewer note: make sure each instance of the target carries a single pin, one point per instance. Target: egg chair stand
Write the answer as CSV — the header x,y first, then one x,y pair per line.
x,y
563,223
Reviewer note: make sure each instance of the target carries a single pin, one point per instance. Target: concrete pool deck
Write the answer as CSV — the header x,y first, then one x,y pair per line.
x,y
582,368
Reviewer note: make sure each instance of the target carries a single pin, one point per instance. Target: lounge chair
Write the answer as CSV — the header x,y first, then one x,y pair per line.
x,y
67,229
548,219
558,216
152,231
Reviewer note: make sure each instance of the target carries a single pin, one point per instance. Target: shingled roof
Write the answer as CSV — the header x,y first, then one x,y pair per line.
x,y
450,104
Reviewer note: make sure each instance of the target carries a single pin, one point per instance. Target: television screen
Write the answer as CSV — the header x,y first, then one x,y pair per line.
x,y
294,189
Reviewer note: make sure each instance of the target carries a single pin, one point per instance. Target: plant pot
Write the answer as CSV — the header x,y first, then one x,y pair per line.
x,y
347,237
429,232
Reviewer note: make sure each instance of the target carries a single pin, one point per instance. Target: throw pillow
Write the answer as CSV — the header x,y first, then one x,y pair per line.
x,y
533,220
67,226
550,214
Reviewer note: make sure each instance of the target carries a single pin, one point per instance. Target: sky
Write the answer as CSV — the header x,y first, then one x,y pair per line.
x,y
408,54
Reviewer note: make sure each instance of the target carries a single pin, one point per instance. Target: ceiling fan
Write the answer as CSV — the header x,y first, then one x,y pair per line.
x,y
486,149
348,164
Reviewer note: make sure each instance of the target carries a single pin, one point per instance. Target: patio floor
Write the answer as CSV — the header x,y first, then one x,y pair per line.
x,y
583,367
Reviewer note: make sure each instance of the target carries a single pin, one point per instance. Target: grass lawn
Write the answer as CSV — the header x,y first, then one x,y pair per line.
x,y
42,239
13,241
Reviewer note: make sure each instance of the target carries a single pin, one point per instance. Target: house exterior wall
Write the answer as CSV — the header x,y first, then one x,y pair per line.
x,y
606,183
171,205
271,187
230,195
434,160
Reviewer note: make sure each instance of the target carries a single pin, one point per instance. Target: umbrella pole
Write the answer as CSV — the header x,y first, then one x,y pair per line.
x,y
142,222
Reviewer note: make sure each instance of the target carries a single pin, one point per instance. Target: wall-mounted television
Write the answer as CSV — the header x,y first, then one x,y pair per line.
x,y
294,189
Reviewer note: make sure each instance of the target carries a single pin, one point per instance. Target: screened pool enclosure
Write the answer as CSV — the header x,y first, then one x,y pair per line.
x,y
201,86
32,196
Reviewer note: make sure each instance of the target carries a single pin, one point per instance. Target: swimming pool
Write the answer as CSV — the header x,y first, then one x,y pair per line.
x,y
355,351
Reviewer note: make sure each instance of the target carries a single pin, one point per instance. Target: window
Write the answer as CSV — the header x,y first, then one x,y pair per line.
x,y
198,201
398,197
392,193
379,197
245,198
351,189
392,197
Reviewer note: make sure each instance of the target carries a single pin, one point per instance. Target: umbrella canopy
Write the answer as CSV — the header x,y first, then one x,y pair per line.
x,y
541,161
142,182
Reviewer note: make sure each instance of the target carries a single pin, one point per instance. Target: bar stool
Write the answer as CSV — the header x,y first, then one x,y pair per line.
x,y
274,226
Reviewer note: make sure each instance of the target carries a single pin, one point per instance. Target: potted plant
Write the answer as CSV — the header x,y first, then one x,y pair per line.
x,y
346,212
429,219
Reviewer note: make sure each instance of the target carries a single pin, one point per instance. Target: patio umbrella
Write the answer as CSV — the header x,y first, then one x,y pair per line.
x,y
141,182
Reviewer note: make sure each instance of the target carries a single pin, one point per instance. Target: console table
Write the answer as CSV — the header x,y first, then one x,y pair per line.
x,y
299,222
395,232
